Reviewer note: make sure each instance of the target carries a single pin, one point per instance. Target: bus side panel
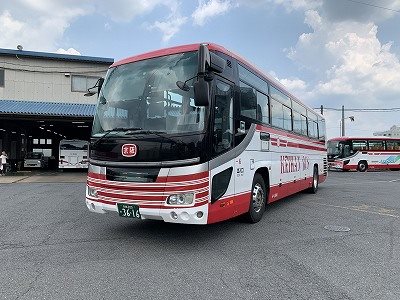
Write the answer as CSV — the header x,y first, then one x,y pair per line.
x,y
228,207
236,200
292,163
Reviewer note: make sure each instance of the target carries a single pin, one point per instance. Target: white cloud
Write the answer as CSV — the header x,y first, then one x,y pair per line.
x,y
298,4
40,25
70,51
127,10
37,25
169,27
212,8
352,68
289,5
295,85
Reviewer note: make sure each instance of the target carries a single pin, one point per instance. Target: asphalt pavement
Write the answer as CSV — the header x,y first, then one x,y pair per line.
x,y
342,243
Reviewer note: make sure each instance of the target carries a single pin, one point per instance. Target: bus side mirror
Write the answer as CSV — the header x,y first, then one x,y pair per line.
x,y
204,59
209,61
99,85
201,92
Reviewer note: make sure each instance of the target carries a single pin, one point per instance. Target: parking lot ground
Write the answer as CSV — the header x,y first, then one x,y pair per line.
x,y
68,176
342,243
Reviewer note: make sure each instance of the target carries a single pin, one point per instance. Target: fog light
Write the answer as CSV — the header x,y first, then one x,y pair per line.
x,y
93,207
174,215
199,214
181,199
92,192
185,216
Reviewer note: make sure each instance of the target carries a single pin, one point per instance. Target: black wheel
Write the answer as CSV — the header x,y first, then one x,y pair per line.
x,y
315,181
258,200
362,166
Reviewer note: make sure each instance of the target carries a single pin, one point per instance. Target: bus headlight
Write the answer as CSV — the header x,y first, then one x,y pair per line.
x,y
92,192
181,199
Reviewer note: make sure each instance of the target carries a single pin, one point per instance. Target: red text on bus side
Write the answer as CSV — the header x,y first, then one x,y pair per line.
x,y
294,163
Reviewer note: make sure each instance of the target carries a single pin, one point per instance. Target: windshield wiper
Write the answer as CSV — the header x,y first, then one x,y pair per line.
x,y
118,129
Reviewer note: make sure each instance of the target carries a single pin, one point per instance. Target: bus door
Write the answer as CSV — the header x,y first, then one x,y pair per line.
x,y
222,163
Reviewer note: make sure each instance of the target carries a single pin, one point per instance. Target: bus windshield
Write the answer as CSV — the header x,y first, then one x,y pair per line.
x,y
334,148
144,96
73,145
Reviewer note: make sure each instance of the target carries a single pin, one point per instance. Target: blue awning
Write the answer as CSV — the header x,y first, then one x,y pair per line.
x,y
14,107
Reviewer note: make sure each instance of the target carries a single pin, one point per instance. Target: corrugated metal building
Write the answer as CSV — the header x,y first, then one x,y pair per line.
x,y
42,100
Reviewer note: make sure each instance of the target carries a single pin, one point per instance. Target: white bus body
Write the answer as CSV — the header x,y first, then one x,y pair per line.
x,y
73,154
156,154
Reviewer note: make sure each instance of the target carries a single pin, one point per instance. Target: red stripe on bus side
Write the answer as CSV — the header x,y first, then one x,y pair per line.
x,y
201,195
372,166
150,189
300,146
381,152
132,197
179,178
162,179
96,175
286,134
278,192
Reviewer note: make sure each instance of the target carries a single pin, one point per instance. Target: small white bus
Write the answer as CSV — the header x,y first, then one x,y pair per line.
x,y
73,154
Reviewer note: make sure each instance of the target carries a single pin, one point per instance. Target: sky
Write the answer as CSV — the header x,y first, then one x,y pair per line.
x,y
326,52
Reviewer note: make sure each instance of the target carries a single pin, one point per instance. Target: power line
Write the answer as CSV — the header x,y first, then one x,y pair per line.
x,y
373,5
392,109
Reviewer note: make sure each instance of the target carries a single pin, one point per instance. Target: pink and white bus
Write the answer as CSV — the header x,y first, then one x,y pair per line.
x,y
195,134
361,154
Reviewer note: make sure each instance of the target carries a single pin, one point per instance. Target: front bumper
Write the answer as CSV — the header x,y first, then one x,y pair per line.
x,y
184,215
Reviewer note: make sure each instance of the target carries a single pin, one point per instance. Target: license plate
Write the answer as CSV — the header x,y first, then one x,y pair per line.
x,y
128,210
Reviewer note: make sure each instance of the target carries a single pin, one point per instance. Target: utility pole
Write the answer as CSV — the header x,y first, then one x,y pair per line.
x,y
343,131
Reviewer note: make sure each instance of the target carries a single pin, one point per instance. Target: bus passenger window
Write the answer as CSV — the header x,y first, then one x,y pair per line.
x,y
376,145
276,114
359,145
248,101
287,118
392,145
263,110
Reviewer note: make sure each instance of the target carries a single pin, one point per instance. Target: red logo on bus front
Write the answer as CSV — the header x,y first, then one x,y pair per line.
x,y
129,150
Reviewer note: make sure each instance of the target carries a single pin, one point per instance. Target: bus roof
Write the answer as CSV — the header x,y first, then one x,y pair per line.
x,y
363,138
215,47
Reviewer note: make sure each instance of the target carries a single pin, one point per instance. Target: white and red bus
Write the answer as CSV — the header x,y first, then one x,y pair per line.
x,y
195,134
361,154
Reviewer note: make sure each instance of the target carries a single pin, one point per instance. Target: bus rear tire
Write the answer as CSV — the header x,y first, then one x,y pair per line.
x,y
258,200
315,181
362,166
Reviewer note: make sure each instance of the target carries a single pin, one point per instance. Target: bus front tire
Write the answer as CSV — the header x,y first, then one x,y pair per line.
x,y
258,200
362,166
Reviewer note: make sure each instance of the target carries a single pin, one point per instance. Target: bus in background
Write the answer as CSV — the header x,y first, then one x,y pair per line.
x,y
361,154
73,154
195,134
